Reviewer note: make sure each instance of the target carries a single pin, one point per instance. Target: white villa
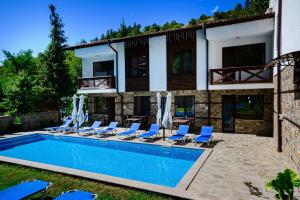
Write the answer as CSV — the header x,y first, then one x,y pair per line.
x,y
216,72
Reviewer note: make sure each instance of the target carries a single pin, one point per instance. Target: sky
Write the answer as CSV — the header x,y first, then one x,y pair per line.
x,y
24,24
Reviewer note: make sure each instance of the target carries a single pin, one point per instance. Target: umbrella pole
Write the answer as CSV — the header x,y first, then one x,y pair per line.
x,y
164,134
77,125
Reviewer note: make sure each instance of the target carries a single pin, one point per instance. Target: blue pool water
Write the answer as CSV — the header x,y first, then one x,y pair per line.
x,y
140,162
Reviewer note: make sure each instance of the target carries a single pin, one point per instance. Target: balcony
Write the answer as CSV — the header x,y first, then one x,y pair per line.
x,y
241,75
101,82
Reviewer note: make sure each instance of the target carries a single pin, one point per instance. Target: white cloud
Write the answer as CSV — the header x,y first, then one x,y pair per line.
x,y
215,9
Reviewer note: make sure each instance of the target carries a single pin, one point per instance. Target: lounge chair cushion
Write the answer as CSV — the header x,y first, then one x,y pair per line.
x,y
129,132
182,130
176,137
24,189
202,139
76,194
206,131
147,134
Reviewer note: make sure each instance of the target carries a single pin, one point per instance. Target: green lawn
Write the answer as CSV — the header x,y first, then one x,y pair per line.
x,y
13,174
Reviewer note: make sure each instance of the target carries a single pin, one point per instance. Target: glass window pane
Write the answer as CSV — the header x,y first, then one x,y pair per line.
x,y
100,105
249,107
189,106
182,62
184,106
138,66
104,68
142,105
177,63
187,60
179,106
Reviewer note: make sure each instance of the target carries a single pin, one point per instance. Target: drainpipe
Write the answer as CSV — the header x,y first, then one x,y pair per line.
x,y
117,80
279,122
207,78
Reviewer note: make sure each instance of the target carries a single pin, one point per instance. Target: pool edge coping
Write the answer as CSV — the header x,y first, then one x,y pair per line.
x,y
180,190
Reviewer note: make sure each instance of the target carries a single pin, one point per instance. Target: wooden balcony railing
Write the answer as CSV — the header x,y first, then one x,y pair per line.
x,y
102,82
240,75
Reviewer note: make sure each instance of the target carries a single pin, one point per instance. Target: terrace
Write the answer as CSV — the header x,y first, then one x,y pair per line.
x,y
231,169
241,75
100,82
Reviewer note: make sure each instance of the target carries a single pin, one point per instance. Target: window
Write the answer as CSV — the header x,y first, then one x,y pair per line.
x,y
182,62
138,66
100,105
184,106
246,55
142,105
104,105
103,68
249,106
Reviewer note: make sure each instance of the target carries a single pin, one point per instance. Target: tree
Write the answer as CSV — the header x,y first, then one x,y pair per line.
x,y
20,93
95,39
259,6
193,22
252,7
247,4
123,30
172,25
74,69
53,68
135,29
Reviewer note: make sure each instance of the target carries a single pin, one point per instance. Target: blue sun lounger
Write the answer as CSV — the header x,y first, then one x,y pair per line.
x,y
88,130
180,133
134,127
153,131
76,195
205,135
70,129
66,123
24,189
111,128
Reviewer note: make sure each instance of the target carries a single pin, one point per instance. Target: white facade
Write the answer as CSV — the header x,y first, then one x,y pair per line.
x,y
158,63
121,63
290,27
260,31
94,54
252,32
215,47
201,69
240,30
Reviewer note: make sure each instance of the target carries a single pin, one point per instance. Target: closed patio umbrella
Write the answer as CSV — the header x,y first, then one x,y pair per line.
x,y
74,111
80,113
158,114
167,119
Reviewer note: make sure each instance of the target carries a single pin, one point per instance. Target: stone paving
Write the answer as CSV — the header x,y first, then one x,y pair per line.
x,y
238,167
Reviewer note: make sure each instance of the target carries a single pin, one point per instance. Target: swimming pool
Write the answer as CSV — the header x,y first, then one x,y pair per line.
x,y
154,164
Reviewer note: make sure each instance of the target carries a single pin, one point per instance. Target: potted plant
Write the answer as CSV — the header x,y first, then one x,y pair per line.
x,y
284,184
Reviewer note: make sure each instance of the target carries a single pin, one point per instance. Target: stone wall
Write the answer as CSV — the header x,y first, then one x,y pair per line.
x,y
31,121
291,116
260,127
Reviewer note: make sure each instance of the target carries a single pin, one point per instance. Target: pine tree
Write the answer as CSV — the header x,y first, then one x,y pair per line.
x,y
247,4
55,77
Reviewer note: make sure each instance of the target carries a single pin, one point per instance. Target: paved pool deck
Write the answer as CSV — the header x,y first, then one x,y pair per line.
x,y
237,168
